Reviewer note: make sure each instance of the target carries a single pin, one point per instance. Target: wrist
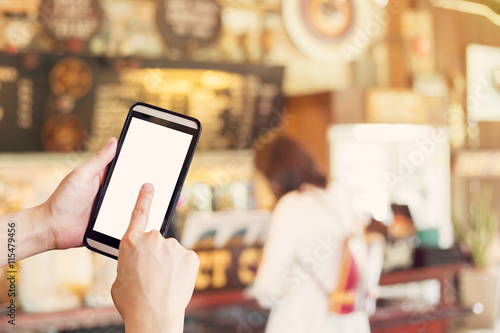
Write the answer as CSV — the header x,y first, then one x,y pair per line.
x,y
41,214
171,324
30,230
175,324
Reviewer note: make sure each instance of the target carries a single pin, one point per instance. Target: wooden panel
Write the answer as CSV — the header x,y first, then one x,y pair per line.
x,y
308,121
489,135
400,71
348,107
453,32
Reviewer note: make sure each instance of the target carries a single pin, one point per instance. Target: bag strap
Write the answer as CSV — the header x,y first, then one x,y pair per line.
x,y
335,216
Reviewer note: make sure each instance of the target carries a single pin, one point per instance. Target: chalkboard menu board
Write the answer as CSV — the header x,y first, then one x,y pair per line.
x,y
67,103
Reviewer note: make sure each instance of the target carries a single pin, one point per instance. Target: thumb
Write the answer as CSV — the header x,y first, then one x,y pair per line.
x,y
99,161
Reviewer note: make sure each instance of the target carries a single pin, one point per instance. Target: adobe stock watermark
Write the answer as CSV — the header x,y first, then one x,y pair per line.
x,y
408,164
372,28
482,91
303,270
12,274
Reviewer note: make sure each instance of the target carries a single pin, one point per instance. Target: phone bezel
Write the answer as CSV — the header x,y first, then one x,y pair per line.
x,y
105,244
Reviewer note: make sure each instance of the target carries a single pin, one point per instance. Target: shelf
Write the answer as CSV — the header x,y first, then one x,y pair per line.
x,y
419,274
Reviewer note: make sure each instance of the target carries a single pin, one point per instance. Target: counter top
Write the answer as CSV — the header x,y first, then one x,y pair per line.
x,y
383,319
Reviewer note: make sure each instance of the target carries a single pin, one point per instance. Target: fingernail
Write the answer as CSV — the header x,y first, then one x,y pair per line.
x,y
109,142
147,187
180,202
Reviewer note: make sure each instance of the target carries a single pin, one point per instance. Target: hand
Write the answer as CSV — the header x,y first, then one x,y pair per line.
x,y
60,222
156,276
68,210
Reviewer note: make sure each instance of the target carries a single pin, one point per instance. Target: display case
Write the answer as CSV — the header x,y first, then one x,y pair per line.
x,y
402,164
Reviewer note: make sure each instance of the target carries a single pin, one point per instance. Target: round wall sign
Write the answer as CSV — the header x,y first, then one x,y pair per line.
x,y
70,19
332,31
70,76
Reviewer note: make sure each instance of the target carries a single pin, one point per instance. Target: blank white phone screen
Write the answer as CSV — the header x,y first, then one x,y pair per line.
x,y
150,153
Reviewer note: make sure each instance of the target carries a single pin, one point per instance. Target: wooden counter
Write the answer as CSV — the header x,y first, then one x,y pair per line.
x,y
436,320
387,320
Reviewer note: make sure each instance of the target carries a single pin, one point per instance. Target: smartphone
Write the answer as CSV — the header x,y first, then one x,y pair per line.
x,y
155,146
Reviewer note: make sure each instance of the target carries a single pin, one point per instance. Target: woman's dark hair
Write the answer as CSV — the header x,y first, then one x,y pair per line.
x,y
287,165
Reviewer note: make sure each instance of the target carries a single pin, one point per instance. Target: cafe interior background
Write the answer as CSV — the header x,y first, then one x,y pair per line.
x,y
399,99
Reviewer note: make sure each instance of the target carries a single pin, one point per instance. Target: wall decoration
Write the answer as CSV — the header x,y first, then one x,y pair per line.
x,y
209,31
234,103
72,22
188,24
483,98
70,79
77,103
70,76
22,92
395,106
19,34
334,31
417,28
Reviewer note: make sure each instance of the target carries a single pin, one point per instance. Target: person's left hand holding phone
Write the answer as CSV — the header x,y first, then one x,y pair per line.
x,y
68,209
156,276
61,221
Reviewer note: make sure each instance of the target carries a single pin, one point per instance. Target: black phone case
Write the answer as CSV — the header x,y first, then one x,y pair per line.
x,y
102,189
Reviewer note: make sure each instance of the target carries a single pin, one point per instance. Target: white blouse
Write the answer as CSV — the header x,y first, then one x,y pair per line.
x,y
301,262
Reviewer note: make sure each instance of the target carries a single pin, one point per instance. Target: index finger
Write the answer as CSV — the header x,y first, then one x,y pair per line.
x,y
140,214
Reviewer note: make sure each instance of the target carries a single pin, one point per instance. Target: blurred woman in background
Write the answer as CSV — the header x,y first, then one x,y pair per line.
x,y
302,254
